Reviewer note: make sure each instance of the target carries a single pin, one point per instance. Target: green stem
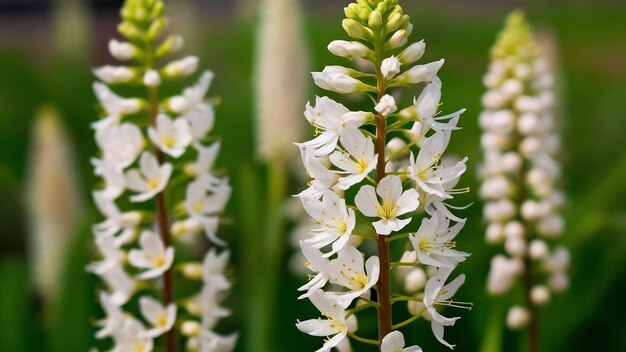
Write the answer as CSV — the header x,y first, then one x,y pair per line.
x,y
409,321
362,339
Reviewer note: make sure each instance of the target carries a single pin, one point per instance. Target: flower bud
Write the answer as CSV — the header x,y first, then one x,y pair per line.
x,y
375,20
183,67
190,328
344,48
540,295
398,39
395,20
192,270
517,318
178,104
420,73
115,74
538,250
390,67
494,233
357,30
151,78
122,50
386,105
170,45
415,280
412,53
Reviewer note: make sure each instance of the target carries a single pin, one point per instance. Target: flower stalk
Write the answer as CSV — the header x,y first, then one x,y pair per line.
x,y
521,176
395,181
155,150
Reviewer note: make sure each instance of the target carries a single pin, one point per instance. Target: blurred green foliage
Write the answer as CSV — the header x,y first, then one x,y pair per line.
x,y
593,75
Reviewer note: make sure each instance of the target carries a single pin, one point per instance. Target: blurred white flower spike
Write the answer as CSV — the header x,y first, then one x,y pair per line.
x,y
375,175
159,187
521,175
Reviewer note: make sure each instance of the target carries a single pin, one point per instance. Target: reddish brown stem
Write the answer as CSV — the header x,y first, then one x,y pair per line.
x,y
383,289
533,324
163,224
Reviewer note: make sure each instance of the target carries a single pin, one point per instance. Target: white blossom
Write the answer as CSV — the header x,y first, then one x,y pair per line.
x,y
395,202
150,179
171,136
333,324
153,256
394,342
358,162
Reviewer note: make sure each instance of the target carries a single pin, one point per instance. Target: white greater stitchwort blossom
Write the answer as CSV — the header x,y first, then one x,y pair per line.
x,y
154,163
369,185
521,171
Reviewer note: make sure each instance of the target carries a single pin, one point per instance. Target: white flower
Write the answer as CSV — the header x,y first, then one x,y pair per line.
x,y
111,254
115,74
120,145
209,304
199,113
150,179
114,181
426,170
427,104
152,256
183,67
212,342
386,105
120,284
205,202
390,67
122,50
333,324
161,318
114,319
116,221
335,220
203,167
132,336
360,161
395,202
171,136
317,263
336,79
434,242
331,118
114,106
394,342
347,270
213,269
317,168
437,292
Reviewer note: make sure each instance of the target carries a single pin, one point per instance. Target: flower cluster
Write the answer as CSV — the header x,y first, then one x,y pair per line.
x,y
520,171
372,173
160,191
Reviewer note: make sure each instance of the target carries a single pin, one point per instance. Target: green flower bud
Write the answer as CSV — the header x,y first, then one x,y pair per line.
x,y
130,31
170,45
357,30
394,21
375,20
156,28
352,11
159,9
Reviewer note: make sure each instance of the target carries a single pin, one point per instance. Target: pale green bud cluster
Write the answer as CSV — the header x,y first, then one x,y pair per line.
x,y
516,40
377,21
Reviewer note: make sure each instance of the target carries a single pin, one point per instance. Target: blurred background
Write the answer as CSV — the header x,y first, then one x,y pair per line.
x,y
47,50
